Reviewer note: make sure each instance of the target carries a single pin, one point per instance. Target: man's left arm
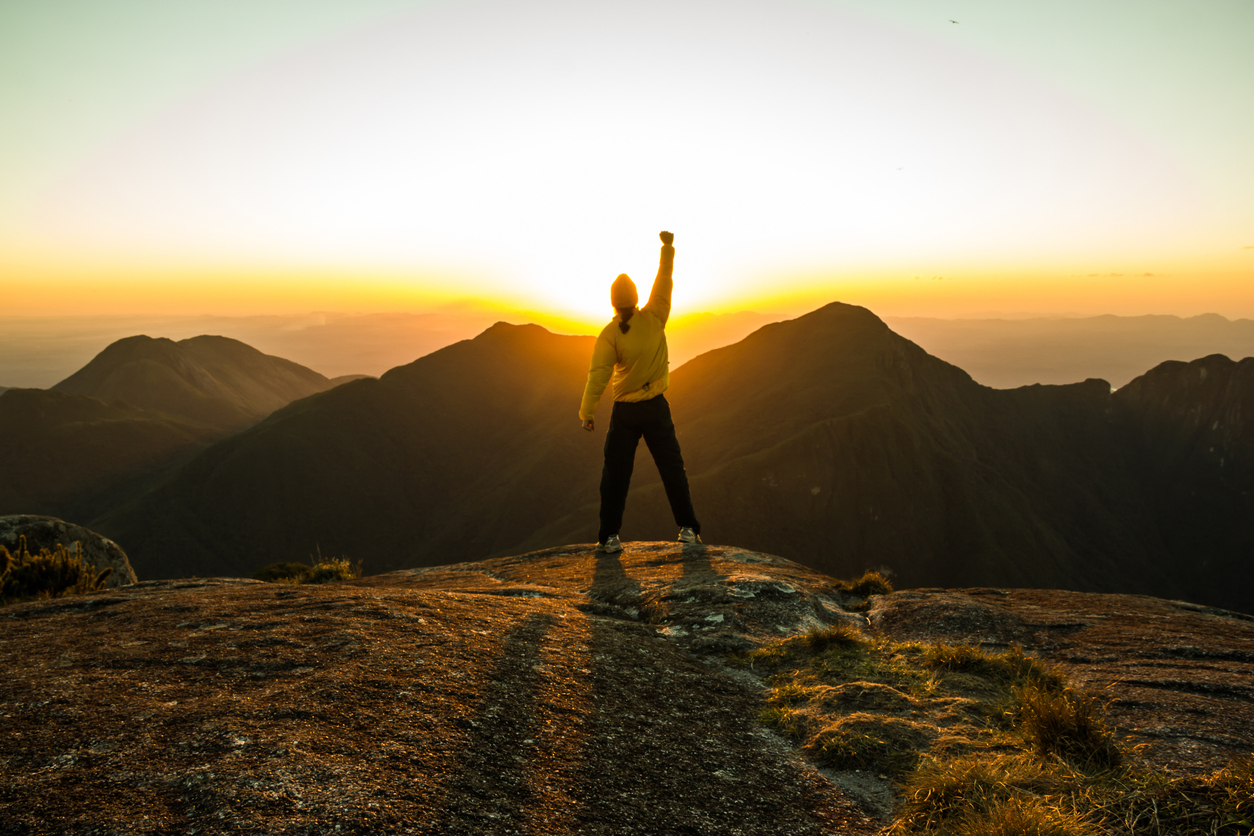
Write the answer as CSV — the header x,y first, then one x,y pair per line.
x,y
600,370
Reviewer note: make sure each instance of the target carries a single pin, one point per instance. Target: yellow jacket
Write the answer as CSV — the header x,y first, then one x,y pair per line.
x,y
637,360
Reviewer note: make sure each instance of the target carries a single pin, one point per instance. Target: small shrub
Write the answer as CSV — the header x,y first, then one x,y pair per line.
x,y
871,583
816,642
1070,724
321,570
336,569
284,573
837,635
48,574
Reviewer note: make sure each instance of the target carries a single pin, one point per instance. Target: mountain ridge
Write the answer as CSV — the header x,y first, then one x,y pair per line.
x,y
829,439
137,409
215,381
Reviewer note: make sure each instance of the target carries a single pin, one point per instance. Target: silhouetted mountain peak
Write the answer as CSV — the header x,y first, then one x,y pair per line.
x,y
502,352
508,330
209,380
1213,395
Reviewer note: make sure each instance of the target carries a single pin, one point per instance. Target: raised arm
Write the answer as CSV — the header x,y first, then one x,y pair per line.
x,y
660,296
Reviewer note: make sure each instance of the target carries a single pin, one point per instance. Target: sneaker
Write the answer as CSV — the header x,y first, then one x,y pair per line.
x,y
689,537
611,545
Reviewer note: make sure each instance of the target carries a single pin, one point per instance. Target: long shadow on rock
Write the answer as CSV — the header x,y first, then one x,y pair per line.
x,y
491,790
698,568
613,592
673,748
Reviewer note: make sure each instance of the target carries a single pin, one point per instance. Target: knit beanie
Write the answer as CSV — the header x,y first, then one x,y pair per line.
x,y
623,292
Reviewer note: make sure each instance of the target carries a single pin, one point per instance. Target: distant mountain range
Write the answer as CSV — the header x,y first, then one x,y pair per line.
x,y
1002,353
141,405
828,439
1006,353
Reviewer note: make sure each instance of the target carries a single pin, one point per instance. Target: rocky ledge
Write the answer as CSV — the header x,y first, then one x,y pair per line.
x,y
562,691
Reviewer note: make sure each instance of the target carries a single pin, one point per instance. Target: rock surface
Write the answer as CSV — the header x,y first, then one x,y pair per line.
x,y
562,691
50,532
1180,677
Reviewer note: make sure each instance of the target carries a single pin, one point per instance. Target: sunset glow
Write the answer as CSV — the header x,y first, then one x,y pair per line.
x,y
283,157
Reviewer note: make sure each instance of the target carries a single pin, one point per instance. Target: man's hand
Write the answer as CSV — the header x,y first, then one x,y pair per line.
x,y
668,238
589,425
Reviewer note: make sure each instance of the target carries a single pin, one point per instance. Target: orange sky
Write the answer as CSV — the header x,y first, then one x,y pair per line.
x,y
401,156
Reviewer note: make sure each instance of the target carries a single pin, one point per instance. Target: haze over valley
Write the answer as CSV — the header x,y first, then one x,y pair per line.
x,y
38,352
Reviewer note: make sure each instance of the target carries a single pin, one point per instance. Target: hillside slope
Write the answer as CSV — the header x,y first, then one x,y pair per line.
x,y
1191,429
62,453
212,381
457,454
142,405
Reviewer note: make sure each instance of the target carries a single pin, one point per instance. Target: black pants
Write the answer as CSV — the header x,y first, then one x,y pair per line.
x,y
628,422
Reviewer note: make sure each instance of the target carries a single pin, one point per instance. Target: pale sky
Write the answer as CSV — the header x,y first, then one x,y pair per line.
x,y
279,156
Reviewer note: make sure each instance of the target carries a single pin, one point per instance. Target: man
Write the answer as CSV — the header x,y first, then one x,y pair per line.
x,y
631,350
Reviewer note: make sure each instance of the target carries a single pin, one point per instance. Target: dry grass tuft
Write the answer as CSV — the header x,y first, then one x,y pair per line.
x,y
873,742
834,636
1025,816
943,792
983,743
871,583
1070,724
1011,666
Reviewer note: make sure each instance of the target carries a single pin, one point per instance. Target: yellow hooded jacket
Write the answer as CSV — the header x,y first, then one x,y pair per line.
x,y
637,360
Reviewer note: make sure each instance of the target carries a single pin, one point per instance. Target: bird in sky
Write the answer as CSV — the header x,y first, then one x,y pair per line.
x,y
953,21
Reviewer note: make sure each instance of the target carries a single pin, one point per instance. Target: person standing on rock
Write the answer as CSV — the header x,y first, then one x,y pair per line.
x,y
631,350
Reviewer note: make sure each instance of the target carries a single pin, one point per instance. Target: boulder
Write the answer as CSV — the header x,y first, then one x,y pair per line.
x,y
50,532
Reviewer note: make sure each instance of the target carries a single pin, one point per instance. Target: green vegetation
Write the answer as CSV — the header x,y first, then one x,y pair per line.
x,y
981,743
318,570
48,574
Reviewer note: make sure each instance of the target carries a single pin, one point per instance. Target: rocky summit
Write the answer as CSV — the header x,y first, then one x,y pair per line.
x,y
560,691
